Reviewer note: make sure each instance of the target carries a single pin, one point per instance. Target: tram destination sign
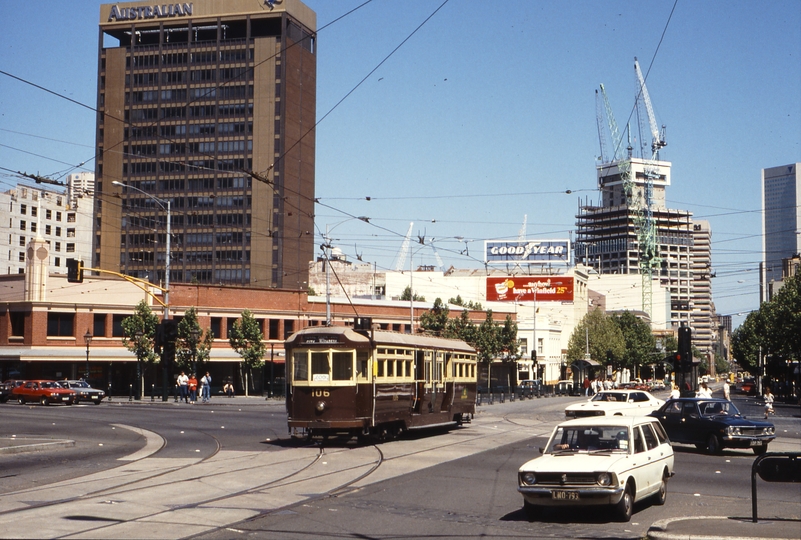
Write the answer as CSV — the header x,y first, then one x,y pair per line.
x,y
320,340
527,251
528,288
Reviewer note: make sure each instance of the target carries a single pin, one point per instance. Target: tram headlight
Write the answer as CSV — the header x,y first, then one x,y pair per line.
x,y
320,406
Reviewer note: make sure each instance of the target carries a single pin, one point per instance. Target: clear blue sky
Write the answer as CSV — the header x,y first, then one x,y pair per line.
x,y
485,114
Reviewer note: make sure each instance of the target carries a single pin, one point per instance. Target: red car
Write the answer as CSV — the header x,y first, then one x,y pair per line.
x,y
45,392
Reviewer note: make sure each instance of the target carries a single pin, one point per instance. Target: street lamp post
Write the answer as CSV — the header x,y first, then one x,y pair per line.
x,y
87,338
165,205
138,336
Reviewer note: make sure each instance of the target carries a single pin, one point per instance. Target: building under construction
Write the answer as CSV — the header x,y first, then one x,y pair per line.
x,y
610,235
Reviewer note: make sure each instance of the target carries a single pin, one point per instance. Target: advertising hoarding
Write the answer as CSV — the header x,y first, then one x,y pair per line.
x,y
527,251
522,288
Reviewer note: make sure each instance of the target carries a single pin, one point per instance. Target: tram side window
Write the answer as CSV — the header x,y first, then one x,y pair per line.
x,y
343,366
301,362
390,368
320,367
362,363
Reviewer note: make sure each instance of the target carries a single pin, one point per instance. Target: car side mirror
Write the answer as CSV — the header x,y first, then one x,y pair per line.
x,y
541,449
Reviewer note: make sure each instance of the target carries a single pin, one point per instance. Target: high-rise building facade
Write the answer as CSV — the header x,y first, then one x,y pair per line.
x,y
609,234
781,221
49,215
703,320
206,114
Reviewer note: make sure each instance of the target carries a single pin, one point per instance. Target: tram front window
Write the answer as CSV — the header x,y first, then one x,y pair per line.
x,y
301,362
343,366
320,368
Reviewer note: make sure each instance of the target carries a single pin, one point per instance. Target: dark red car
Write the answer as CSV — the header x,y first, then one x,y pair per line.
x,y
45,392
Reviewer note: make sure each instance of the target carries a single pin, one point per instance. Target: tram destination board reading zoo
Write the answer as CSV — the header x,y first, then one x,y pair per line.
x,y
527,251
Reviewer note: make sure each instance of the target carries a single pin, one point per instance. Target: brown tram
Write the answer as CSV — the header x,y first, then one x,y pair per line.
x,y
364,382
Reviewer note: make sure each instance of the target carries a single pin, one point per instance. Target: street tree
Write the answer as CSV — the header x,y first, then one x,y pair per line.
x,y
407,295
598,332
193,346
435,320
139,331
640,344
246,339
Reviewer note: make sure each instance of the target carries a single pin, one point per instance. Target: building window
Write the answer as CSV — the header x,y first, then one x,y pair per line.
x,y
58,216
34,211
21,256
273,329
23,209
33,226
289,327
17,324
70,217
216,326
48,214
70,248
22,241
58,231
23,226
60,324
70,233
99,325
47,230
116,326
58,246
57,262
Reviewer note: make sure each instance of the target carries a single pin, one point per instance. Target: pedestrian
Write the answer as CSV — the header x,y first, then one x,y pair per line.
x,y
586,386
674,392
192,384
768,402
205,388
704,391
229,389
726,390
183,388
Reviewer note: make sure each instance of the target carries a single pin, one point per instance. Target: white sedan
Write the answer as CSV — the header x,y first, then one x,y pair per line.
x,y
599,461
615,403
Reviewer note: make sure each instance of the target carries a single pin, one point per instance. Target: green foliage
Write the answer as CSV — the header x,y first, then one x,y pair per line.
x,y
193,344
605,338
508,339
407,295
774,329
311,292
639,341
435,320
247,340
475,306
143,321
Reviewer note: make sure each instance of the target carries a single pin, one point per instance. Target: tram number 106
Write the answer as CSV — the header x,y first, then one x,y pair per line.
x,y
320,393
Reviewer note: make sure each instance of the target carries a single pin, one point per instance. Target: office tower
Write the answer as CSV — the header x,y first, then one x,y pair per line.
x,y
206,114
781,221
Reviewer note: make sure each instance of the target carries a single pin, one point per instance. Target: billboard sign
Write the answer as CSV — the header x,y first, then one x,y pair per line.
x,y
529,288
527,251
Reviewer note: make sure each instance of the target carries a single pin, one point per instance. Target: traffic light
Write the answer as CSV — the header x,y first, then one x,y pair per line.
x,y
74,271
169,334
685,351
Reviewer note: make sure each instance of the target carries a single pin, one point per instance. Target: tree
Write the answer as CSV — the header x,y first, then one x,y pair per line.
x,y
604,336
138,332
639,341
246,339
435,320
508,339
476,306
461,328
193,345
407,295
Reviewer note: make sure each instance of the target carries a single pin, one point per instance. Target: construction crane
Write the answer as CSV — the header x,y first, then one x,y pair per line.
x,y
404,251
649,259
624,165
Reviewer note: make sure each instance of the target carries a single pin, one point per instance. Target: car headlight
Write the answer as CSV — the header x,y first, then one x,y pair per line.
x,y
769,430
733,430
53,394
528,478
604,479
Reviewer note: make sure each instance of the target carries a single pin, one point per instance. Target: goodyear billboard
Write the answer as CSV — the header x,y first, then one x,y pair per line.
x,y
528,288
527,251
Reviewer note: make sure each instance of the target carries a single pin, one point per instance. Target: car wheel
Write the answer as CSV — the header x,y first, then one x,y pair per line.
x,y
661,495
713,445
97,402
625,507
44,401
21,400
68,403
759,450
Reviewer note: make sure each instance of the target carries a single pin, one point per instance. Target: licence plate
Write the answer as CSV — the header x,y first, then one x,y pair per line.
x,y
65,399
561,495
756,443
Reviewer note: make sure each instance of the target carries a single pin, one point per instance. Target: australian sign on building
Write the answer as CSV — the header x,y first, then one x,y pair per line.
x,y
527,251
528,288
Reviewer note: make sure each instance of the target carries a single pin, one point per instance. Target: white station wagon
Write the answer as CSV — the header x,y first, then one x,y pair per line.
x,y
613,461
615,403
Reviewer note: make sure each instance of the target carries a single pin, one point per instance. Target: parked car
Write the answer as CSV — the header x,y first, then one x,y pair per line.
x,y
625,402
713,424
5,392
564,387
84,392
613,461
45,392
530,385
748,386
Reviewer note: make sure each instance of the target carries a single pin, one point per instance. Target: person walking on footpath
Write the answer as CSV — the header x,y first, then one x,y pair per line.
x,y
726,390
768,402
205,388
183,387
192,388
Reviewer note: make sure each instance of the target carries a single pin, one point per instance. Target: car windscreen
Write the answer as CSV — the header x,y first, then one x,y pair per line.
x,y
588,439
610,396
715,408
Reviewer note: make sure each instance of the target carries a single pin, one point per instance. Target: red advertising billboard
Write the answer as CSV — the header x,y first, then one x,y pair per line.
x,y
522,288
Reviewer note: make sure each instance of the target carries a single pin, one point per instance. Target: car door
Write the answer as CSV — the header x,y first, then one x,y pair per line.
x,y
671,420
656,453
693,425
